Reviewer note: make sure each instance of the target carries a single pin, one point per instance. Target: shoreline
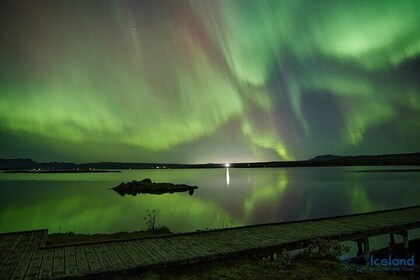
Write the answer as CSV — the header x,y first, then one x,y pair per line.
x,y
233,166
63,171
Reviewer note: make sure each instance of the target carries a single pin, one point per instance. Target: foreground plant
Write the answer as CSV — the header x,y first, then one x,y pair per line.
x,y
150,221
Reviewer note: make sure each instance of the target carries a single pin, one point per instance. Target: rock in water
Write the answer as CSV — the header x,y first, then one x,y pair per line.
x,y
147,186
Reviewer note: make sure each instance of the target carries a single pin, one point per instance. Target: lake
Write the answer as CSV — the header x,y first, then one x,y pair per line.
x,y
82,202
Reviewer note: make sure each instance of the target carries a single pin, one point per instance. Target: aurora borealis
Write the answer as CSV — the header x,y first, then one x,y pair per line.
x,y
208,81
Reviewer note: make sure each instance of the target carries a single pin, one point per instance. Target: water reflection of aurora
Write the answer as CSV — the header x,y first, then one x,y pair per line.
x,y
81,202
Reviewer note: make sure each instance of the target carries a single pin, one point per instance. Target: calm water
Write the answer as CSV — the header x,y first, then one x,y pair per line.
x,y
83,203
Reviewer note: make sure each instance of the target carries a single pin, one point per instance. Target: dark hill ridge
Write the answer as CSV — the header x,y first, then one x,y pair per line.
x,y
323,160
27,163
335,160
412,158
19,164
326,157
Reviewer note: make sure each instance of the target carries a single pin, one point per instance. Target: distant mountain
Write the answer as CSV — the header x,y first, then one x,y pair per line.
x,y
27,164
389,159
18,164
322,160
326,157
336,160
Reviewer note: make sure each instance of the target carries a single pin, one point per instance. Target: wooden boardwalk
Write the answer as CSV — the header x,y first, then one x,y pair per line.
x,y
23,255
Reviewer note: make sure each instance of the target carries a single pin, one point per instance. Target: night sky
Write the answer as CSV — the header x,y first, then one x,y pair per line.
x,y
208,81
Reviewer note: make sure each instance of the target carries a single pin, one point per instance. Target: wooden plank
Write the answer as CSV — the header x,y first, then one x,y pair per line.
x,y
112,255
197,253
15,256
44,237
289,233
92,259
23,264
366,222
8,251
266,233
5,242
35,265
3,237
206,244
194,247
281,236
300,231
245,236
145,245
47,264
396,215
228,241
379,221
197,248
414,213
154,247
168,249
262,236
304,231
286,235
348,226
318,229
180,247
225,241
257,233
102,257
395,219
147,258
124,257
309,230
390,219
387,220
58,262
342,227
260,239
210,241
137,259
70,260
213,241
81,261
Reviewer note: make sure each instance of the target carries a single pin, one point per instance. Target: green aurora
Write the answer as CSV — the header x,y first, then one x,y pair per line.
x,y
208,81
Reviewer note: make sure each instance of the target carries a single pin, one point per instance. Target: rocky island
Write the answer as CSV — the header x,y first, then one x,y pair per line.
x,y
147,186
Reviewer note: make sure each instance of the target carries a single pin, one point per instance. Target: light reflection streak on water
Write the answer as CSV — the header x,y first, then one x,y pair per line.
x,y
227,177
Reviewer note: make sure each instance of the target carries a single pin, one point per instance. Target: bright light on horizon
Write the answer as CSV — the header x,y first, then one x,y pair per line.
x,y
227,165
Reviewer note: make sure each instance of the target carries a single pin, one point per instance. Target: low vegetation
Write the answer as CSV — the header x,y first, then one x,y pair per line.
x,y
151,225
